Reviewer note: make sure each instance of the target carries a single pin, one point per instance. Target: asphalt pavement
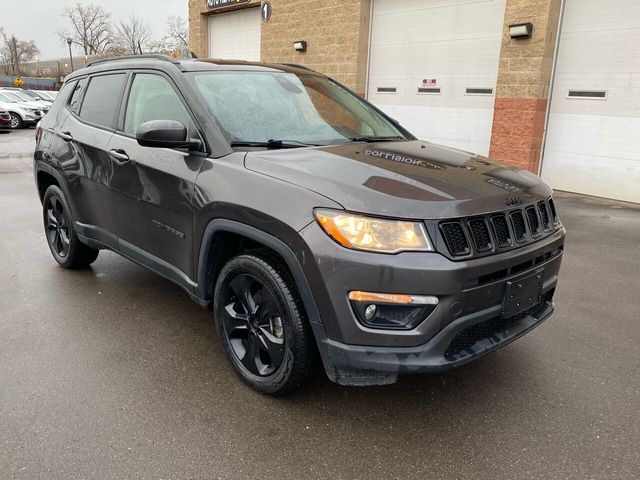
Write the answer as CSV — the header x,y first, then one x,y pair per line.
x,y
112,372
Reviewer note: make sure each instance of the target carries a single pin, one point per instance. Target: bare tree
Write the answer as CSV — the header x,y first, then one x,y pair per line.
x,y
133,35
14,52
177,35
91,28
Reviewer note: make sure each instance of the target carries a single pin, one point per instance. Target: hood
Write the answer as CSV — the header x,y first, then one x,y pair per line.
x,y
32,105
410,179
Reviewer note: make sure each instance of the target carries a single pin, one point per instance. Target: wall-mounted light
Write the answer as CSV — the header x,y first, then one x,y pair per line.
x,y
521,30
300,46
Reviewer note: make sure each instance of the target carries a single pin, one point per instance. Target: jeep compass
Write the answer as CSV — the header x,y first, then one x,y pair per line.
x,y
316,228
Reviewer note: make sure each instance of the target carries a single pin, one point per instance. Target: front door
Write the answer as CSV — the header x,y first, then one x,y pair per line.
x,y
152,188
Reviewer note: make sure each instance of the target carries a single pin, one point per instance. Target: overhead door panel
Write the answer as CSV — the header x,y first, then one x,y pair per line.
x,y
235,35
434,65
593,139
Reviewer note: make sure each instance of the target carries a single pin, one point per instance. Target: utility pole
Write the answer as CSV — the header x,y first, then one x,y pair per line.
x,y
14,57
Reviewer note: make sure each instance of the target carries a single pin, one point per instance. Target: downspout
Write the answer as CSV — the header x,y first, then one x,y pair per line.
x,y
370,34
551,85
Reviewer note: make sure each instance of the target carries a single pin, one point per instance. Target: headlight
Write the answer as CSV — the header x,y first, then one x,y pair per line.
x,y
374,234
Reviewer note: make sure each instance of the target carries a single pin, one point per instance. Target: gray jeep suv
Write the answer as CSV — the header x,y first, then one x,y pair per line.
x,y
314,226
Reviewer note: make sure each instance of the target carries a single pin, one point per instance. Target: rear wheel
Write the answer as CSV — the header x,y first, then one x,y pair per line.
x,y
63,242
16,121
261,324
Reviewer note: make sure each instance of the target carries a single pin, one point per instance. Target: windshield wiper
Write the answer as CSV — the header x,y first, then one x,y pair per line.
x,y
273,144
371,139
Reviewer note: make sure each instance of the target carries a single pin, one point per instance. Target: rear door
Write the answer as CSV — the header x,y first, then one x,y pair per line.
x,y
152,188
86,130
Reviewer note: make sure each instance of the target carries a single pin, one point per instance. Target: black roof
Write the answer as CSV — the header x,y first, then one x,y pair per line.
x,y
164,62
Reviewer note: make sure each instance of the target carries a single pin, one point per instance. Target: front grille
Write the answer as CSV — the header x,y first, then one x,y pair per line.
x,y
534,222
480,234
519,228
495,232
455,238
495,328
501,230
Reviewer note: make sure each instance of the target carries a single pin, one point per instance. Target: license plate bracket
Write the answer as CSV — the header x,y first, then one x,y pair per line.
x,y
523,294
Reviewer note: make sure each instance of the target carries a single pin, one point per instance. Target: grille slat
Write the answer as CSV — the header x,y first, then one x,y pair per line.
x,y
534,222
480,234
501,229
519,227
554,214
544,215
455,238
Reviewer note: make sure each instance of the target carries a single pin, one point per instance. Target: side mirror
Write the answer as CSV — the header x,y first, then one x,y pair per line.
x,y
162,134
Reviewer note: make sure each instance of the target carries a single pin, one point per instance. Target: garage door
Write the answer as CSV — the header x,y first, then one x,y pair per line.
x,y
235,35
593,140
434,66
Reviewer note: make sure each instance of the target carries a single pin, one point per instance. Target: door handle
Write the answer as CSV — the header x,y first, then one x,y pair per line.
x,y
119,156
66,136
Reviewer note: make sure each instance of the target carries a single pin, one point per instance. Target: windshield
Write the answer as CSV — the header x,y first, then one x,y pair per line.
x,y
8,98
307,109
23,96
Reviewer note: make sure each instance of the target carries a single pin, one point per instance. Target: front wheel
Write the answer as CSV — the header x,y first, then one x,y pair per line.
x,y
63,242
261,324
16,121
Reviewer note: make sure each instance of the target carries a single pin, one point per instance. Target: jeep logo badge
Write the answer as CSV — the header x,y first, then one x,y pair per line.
x,y
513,201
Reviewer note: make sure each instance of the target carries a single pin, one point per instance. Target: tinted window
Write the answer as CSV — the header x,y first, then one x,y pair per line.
x,y
67,89
101,99
76,97
153,98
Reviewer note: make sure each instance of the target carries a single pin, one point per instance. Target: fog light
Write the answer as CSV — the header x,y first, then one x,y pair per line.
x,y
370,312
391,311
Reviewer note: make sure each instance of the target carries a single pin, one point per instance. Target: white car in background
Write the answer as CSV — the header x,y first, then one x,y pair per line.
x,y
46,94
21,115
27,99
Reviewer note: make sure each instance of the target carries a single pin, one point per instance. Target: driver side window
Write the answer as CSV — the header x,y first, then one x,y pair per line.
x,y
153,98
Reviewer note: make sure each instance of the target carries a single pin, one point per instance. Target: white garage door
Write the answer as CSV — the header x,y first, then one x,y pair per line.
x,y
235,35
434,66
593,141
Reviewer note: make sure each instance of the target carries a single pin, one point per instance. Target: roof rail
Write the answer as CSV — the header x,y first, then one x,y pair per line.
x,y
296,65
150,56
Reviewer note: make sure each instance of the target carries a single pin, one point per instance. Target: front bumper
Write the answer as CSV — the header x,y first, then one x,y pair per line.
x,y
362,365
471,292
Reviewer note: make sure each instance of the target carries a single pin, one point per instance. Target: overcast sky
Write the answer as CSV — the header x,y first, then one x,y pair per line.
x,y
41,20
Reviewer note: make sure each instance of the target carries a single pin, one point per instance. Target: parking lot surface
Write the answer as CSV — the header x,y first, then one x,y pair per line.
x,y
112,372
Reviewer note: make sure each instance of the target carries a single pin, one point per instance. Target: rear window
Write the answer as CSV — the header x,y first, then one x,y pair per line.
x,y
76,97
101,101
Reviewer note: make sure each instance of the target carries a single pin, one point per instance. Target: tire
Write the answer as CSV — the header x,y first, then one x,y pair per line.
x,y
62,239
275,336
16,121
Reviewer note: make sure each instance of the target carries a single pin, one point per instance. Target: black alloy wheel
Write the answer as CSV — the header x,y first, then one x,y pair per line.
x,y
253,325
262,325
65,246
57,225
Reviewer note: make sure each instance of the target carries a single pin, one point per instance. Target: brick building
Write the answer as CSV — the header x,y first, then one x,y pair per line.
x,y
452,72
